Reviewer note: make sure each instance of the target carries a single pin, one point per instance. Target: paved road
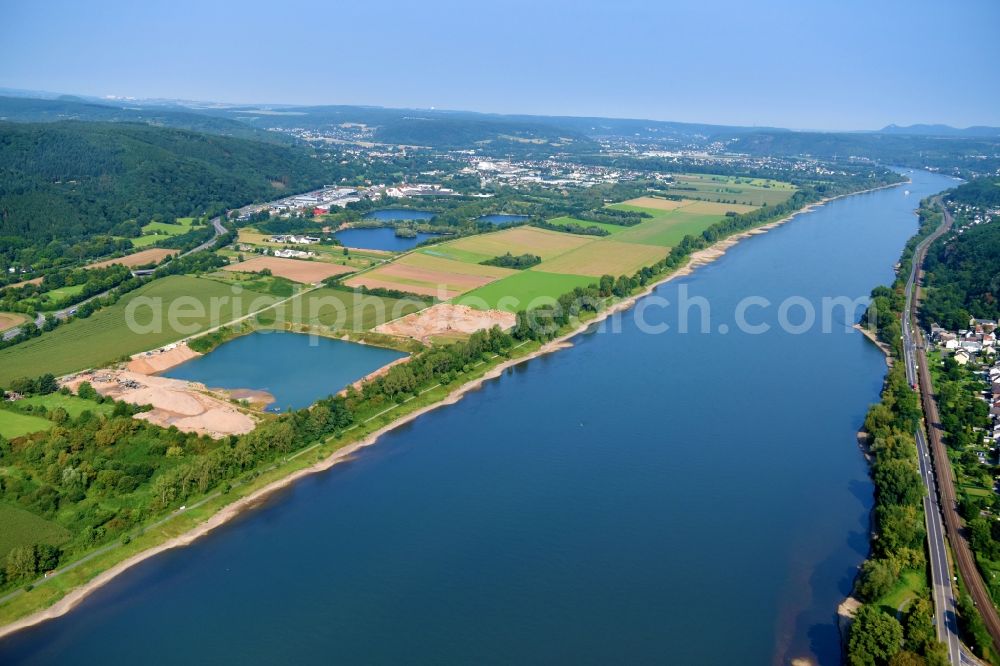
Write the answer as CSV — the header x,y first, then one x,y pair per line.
x,y
942,593
219,230
66,312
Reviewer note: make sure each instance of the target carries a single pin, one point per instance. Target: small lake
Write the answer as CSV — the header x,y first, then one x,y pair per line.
x,y
381,238
296,369
397,214
502,218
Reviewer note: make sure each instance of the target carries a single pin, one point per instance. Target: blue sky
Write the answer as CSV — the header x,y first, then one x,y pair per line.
x,y
826,65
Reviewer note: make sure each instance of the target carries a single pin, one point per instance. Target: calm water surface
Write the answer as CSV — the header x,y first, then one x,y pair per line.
x,y
396,214
640,499
296,369
380,238
500,219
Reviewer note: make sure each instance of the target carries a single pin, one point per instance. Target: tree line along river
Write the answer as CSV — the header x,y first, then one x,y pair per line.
x,y
689,498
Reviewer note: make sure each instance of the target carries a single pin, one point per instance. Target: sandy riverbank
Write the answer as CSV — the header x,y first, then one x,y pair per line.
x,y
699,258
884,348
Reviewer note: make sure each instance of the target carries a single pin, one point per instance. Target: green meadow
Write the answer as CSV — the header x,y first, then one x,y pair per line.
x,y
753,192
610,228
14,425
517,291
668,229
156,231
73,405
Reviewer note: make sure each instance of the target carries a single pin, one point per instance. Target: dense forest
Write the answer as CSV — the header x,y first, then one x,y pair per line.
x,y
65,185
982,193
963,270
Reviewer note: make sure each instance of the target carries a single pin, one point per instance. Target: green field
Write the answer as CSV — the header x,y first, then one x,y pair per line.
x,y
22,528
446,251
517,291
105,336
340,309
668,230
157,231
753,192
610,228
14,425
262,284
63,292
652,212
73,405
605,257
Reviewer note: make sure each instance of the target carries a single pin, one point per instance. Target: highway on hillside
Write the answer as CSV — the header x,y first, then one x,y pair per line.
x,y
66,312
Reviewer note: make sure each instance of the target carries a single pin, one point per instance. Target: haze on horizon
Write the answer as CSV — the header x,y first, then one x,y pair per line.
x,y
848,65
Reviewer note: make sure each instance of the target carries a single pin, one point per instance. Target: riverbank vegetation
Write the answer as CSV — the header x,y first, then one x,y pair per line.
x,y
885,312
898,545
895,621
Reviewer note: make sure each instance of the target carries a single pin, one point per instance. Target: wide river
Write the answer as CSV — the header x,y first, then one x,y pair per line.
x,y
676,498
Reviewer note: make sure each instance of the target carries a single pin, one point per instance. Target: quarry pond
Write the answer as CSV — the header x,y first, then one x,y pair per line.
x,y
296,369
379,238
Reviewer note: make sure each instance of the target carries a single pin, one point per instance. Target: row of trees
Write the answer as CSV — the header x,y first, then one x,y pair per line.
x,y
877,636
508,260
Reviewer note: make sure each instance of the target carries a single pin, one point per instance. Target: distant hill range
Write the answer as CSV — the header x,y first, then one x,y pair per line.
x,y
68,107
941,130
967,152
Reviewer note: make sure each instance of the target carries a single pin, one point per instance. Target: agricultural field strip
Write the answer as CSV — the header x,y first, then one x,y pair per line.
x,y
208,330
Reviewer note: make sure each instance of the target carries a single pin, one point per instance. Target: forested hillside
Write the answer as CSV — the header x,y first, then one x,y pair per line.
x,y
984,193
462,132
64,183
963,270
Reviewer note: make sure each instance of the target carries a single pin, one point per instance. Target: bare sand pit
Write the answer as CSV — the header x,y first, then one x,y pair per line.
x,y
152,362
256,399
445,318
298,270
186,405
